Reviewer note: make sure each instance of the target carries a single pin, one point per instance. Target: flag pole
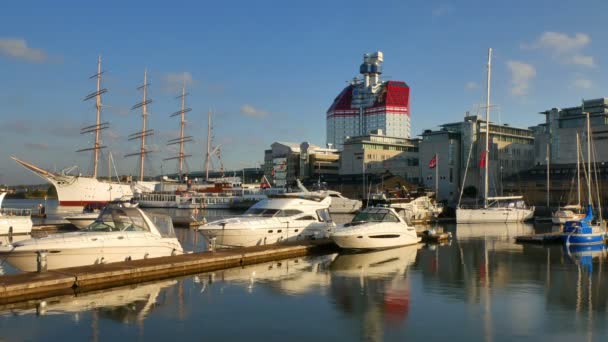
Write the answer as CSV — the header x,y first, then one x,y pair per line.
x,y
436,176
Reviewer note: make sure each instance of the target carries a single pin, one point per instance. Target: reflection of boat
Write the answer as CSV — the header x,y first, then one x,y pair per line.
x,y
291,275
375,263
375,228
140,299
464,230
278,218
118,234
14,221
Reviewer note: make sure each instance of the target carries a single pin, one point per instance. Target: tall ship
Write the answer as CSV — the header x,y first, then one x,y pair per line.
x,y
80,190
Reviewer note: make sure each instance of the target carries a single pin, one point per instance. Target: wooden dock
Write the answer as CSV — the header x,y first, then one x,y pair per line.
x,y
27,286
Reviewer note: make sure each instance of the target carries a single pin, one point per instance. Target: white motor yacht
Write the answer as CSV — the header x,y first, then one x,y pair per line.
x,y
568,213
118,234
375,228
14,221
341,204
278,218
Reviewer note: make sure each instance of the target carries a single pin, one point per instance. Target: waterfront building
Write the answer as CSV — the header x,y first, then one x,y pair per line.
x,y
369,104
560,128
511,151
377,153
285,162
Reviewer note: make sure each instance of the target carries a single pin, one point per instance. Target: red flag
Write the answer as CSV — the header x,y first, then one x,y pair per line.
x,y
272,172
433,162
482,159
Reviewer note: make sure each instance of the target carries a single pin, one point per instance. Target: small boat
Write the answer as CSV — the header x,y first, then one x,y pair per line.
x,y
14,221
278,218
583,232
566,214
90,212
375,228
119,233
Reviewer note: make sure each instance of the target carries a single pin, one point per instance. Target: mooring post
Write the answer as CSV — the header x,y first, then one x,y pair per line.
x,y
41,261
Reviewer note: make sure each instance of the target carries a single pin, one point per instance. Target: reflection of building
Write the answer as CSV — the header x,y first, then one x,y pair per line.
x,y
511,151
369,104
377,153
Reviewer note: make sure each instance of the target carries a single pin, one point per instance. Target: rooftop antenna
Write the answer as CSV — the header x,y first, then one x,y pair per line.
x,y
98,126
181,156
141,135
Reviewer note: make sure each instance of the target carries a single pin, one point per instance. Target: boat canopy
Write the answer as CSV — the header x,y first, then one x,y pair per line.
x,y
505,198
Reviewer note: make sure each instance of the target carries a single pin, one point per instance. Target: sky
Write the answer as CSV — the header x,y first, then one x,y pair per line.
x,y
269,70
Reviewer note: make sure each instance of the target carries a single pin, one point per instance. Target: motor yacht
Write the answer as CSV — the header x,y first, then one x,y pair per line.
x,y
14,221
278,218
375,228
118,234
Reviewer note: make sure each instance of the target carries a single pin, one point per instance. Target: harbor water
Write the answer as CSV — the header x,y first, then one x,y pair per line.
x,y
480,286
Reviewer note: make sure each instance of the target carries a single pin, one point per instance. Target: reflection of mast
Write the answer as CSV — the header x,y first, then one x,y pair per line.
x,y
144,132
182,139
488,304
98,126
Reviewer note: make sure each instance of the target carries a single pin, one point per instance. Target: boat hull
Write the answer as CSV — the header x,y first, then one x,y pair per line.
x,y
27,260
82,221
261,236
584,239
375,236
493,215
15,225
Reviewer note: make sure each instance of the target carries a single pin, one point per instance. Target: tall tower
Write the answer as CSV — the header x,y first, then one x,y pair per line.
x,y
368,104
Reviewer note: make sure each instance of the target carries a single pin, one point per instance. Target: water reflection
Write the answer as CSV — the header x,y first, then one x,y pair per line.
x,y
373,287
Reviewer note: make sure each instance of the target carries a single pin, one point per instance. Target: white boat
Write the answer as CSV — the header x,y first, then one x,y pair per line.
x,y
494,209
79,190
339,203
498,210
375,228
286,217
118,234
568,213
14,221
420,209
83,220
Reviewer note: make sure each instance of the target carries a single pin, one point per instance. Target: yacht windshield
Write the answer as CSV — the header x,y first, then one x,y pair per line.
x,y
119,219
261,212
375,215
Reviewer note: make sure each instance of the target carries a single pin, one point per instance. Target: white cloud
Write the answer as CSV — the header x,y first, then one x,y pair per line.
x,y
442,10
251,111
582,60
521,75
566,49
471,85
37,146
583,83
174,81
17,48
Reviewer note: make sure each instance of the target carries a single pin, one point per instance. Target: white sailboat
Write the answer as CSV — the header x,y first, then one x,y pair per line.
x,y
571,212
495,209
79,190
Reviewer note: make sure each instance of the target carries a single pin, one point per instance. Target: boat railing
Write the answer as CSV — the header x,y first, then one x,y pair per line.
x,y
15,212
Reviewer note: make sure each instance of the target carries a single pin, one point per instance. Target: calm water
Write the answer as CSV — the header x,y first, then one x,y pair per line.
x,y
479,287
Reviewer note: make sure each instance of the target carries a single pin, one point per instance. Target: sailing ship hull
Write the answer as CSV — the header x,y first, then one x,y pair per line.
x,y
493,215
584,239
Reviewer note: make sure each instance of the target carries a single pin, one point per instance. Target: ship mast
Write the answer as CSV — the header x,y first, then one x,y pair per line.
x,y
141,135
208,155
487,150
98,126
182,129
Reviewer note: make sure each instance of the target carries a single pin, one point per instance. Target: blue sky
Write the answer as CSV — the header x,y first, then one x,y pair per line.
x,y
270,69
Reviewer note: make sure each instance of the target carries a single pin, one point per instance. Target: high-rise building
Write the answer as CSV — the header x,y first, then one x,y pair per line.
x,y
368,104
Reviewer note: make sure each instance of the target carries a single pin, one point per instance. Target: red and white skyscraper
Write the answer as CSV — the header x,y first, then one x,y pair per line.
x,y
369,104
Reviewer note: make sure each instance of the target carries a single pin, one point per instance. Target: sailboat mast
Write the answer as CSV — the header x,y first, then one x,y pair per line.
x,y
487,149
181,130
578,169
548,172
144,130
97,118
588,156
144,116
208,156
